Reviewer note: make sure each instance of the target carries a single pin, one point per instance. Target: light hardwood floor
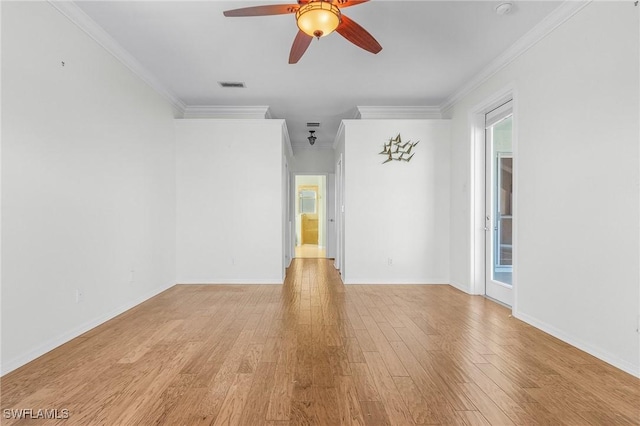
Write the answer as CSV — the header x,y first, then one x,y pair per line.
x,y
310,251
316,352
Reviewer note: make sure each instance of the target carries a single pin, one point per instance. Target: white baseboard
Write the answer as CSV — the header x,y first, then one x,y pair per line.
x,y
54,342
573,341
233,282
462,288
357,281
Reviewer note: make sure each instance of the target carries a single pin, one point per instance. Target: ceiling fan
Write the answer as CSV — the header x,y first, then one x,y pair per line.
x,y
316,18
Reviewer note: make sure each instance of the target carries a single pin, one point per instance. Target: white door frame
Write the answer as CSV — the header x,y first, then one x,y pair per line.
x,y
494,288
331,216
477,191
293,193
288,248
339,261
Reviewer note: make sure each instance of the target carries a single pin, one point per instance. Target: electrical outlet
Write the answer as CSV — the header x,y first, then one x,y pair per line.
x,y
79,296
389,261
132,276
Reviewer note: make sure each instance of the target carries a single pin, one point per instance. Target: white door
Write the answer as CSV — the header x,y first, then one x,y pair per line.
x,y
499,204
331,216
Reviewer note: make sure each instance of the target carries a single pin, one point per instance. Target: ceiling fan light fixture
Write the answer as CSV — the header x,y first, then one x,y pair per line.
x,y
318,18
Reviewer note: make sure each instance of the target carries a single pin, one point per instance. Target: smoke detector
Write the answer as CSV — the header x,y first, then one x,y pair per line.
x,y
504,8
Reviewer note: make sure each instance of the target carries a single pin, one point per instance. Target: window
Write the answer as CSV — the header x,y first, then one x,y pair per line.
x,y
307,201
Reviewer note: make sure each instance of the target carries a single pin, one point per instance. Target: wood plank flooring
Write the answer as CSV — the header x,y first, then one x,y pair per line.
x,y
310,251
314,352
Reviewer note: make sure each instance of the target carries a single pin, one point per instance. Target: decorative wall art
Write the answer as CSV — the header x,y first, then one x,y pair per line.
x,y
396,150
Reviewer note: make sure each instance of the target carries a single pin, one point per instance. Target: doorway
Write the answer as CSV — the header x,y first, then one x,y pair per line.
x,y
311,216
499,169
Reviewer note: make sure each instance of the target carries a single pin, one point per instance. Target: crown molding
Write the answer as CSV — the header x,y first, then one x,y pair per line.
x,y
226,111
77,16
552,21
354,114
397,112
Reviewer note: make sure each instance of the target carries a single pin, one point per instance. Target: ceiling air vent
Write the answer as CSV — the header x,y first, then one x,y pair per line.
x,y
232,84
313,124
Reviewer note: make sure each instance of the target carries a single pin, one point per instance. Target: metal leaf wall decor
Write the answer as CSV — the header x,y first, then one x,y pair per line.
x,y
396,150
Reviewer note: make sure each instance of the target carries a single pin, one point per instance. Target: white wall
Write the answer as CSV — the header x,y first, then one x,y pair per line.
x,y
229,198
398,210
88,186
313,160
577,182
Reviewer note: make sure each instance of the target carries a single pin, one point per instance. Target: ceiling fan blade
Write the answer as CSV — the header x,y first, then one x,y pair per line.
x,y
300,45
272,9
348,3
357,35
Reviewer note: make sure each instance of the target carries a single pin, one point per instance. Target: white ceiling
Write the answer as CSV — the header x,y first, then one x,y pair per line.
x,y
430,49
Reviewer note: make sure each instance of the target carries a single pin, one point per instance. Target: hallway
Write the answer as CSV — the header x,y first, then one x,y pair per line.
x,y
310,251
316,352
